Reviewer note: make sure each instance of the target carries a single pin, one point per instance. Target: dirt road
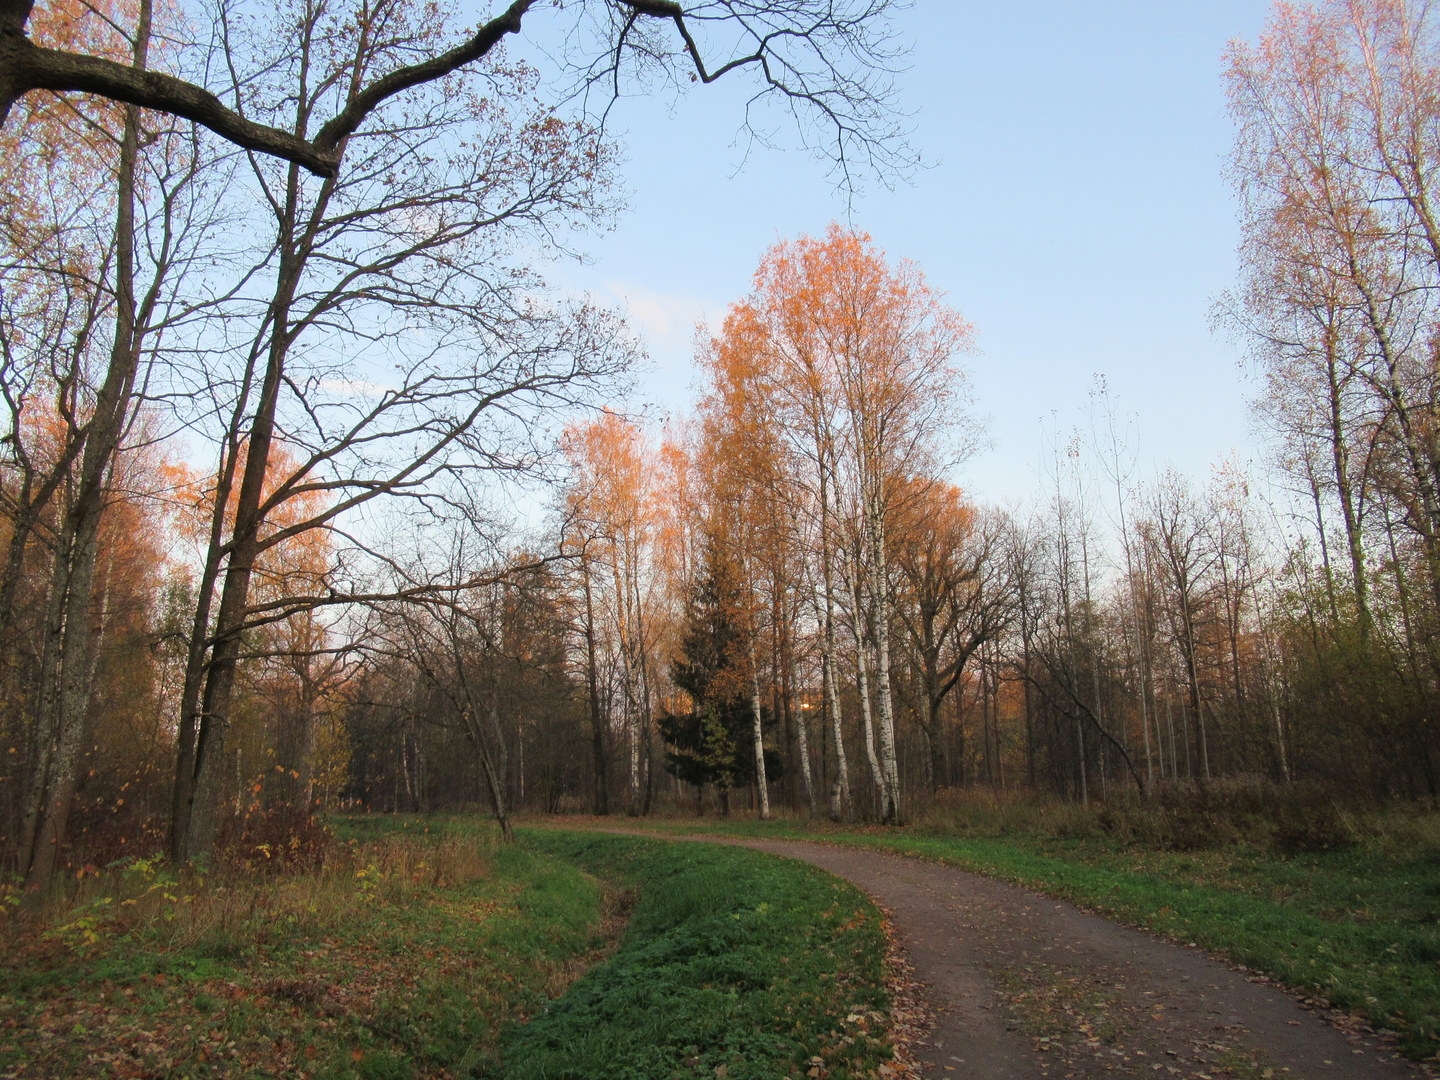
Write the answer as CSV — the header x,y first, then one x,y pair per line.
x,y
1024,988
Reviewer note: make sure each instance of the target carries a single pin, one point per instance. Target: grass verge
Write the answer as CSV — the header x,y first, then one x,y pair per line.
x,y
1358,927
406,955
735,965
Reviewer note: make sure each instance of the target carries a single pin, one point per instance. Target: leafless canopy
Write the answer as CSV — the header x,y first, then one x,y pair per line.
x,y
829,61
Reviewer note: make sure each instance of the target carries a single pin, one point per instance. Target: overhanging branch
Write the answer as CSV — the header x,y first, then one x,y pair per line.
x,y
25,66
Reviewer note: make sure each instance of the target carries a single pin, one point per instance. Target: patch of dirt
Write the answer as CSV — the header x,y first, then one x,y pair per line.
x,y
617,905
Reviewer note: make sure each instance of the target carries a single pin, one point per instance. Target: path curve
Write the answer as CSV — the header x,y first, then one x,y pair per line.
x,y
1025,987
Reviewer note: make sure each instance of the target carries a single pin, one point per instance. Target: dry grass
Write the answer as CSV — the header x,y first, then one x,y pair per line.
x,y
186,907
1180,816
404,954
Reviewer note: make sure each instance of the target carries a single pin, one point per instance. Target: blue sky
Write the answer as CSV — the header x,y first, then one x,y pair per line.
x,y
1076,212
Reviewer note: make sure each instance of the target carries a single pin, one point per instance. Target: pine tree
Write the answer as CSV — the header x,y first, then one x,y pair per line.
x,y
709,743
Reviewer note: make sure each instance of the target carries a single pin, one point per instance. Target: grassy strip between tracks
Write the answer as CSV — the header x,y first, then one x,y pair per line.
x,y
734,965
1358,927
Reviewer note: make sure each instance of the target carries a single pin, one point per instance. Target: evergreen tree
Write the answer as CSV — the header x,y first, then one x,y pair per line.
x,y
709,743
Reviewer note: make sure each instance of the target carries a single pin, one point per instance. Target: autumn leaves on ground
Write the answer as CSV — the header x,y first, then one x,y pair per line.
x,y
423,946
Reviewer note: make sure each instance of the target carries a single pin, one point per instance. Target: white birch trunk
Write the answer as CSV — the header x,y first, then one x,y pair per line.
x,y
867,715
889,766
832,708
832,690
761,784
802,739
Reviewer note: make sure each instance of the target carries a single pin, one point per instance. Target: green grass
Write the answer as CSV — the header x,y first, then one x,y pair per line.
x,y
407,955
423,947
734,965
1358,927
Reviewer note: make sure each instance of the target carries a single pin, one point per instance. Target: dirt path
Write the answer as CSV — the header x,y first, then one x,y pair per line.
x,y
1023,987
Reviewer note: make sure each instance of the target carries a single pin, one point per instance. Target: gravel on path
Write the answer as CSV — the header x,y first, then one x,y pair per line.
x,y
1024,987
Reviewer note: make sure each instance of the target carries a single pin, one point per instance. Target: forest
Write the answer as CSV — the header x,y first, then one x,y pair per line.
x,y
314,496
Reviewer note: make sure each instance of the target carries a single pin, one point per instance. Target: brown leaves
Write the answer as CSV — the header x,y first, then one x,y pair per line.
x,y
911,1018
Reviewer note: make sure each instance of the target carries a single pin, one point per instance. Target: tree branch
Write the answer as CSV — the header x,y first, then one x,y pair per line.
x,y
25,66
800,49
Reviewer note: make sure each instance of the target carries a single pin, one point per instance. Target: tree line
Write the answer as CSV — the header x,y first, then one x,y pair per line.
x,y
783,599
787,595
255,418
273,328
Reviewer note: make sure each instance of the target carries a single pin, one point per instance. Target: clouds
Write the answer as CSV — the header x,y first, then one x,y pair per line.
x,y
665,323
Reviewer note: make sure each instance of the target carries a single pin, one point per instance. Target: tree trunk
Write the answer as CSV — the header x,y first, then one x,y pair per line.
x,y
202,784
889,765
598,758
65,694
935,742
761,783
494,786
840,802
867,711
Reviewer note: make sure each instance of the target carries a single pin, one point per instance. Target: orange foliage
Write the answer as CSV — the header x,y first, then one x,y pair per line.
x,y
58,153
301,561
608,456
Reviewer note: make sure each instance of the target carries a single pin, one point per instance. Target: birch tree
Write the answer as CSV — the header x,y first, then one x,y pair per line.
x,y
613,524
862,383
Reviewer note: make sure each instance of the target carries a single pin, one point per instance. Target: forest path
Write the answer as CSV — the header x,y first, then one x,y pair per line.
x,y
1021,986
1025,987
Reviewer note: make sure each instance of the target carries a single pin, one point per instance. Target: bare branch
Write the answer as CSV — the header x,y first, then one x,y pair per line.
x,y
826,60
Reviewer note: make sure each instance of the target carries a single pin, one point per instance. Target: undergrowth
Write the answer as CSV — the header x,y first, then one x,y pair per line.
x,y
403,955
424,948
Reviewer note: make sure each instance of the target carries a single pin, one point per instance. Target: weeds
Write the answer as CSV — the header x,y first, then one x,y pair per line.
x,y
402,956
1285,820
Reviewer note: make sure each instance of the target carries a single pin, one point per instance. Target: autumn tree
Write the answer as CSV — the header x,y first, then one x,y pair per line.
x,y
750,510
292,668
110,747
613,523
859,380
956,591
105,265
1334,161
787,410
384,77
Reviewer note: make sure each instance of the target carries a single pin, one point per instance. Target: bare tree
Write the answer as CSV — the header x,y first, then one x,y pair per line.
x,y
957,592
827,63
451,649
403,347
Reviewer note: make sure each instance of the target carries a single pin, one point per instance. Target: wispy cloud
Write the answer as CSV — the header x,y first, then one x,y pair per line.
x,y
665,321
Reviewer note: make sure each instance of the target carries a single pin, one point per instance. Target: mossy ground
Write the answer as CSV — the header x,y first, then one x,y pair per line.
x,y
735,965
